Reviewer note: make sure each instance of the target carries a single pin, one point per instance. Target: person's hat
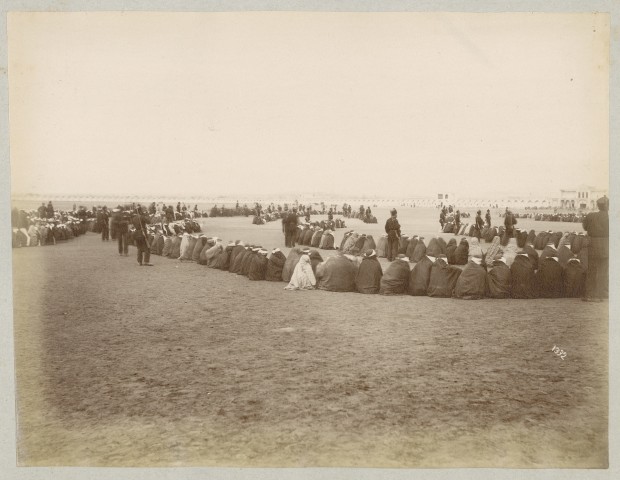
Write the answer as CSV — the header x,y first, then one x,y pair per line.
x,y
393,211
262,251
603,203
370,253
275,250
306,251
400,256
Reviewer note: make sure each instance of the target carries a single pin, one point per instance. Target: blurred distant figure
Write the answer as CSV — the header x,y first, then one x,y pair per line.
x,y
122,231
144,250
487,217
509,224
105,225
597,226
50,210
289,223
479,225
457,222
442,217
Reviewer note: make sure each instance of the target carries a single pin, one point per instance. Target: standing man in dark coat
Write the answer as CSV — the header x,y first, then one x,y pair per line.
x,y
509,224
597,277
122,231
144,251
457,222
487,217
392,228
105,224
290,227
479,225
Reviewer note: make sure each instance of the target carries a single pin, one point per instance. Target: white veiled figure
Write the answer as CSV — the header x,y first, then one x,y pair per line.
x,y
184,246
303,277
510,251
474,248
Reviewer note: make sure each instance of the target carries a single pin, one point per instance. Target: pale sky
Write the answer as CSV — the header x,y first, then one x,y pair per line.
x,y
352,103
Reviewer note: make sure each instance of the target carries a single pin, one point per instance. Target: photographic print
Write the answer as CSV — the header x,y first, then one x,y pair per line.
x,y
310,239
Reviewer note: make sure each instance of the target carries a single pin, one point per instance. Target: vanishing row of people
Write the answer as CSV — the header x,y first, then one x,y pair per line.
x,y
528,275
34,231
434,277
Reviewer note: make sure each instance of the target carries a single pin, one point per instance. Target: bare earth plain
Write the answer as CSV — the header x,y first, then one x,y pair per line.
x,y
179,364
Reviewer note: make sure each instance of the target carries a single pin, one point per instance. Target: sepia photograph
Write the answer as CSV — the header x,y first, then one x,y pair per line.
x,y
298,239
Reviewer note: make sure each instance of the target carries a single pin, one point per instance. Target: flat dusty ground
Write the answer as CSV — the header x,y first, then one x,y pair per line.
x,y
178,364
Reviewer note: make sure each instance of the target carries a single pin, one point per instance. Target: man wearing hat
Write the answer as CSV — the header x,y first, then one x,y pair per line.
x,y
479,225
597,226
290,225
144,250
509,224
392,228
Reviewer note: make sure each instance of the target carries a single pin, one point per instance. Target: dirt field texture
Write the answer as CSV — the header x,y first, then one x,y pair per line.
x,y
179,364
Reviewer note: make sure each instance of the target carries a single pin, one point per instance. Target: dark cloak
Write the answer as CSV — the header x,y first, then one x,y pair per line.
x,y
472,282
368,278
336,274
246,262
442,244
316,239
315,259
419,277
395,280
462,252
290,263
550,279
167,244
223,259
359,245
369,244
565,254
574,279
235,266
420,251
413,242
443,279
175,248
499,280
327,241
237,249
258,267
381,246
450,251
200,243
523,278
548,251
490,235
533,255
433,249
307,237
275,266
